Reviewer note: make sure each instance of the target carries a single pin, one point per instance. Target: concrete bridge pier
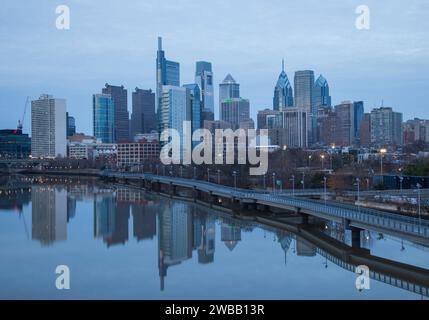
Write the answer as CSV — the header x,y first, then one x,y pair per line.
x,y
356,237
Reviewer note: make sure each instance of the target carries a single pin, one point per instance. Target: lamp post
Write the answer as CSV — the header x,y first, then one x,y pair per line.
x,y
309,161
303,181
382,152
401,178
208,174
274,182
218,176
358,188
181,171
322,158
418,202
234,174
264,180
324,188
293,185
195,173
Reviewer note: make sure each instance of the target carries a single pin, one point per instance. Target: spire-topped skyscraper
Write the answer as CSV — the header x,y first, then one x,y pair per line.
x,y
167,73
283,95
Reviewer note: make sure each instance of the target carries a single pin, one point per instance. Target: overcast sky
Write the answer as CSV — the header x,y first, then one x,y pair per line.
x,y
115,42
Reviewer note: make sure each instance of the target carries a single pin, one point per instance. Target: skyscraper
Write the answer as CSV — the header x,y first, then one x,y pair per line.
x,y
48,127
283,95
71,125
295,127
103,117
303,87
321,95
204,79
175,108
143,118
345,124
386,127
228,89
195,106
167,73
358,116
235,111
120,104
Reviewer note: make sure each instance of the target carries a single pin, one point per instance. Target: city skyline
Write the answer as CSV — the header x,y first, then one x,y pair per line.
x,y
360,67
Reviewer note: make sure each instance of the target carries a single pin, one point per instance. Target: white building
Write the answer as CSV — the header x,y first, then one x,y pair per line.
x,y
48,127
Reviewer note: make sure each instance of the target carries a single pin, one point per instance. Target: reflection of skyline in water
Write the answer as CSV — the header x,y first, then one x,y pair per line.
x,y
181,228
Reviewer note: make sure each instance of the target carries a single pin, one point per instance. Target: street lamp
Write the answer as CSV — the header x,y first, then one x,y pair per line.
x,y
195,173
234,173
309,160
274,182
303,181
382,152
324,188
401,178
218,176
208,174
264,179
358,189
418,202
322,158
293,185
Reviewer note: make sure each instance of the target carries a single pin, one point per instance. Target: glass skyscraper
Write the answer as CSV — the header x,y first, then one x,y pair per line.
x,y
204,79
103,118
228,89
283,95
196,107
167,74
321,95
120,100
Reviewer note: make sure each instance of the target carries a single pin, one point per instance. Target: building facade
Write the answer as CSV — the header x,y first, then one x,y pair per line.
x,y
119,96
103,118
235,111
14,144
283,94
386,127
48,127
143,117
204,80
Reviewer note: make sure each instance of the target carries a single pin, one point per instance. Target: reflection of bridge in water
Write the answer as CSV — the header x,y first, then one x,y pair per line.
x,y
354,217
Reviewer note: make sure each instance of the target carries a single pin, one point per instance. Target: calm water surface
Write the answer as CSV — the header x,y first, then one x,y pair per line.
x,y
123,243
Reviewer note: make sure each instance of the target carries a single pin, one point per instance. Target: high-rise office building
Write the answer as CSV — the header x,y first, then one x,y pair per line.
x,y
143,117
321,95
365,131
228,89
120,103
175,108
48,127
235,111
386,127
71,125
303,88
204,79
195,106
283,95
269,119
167,74
345,125
103,117
358,116
295,125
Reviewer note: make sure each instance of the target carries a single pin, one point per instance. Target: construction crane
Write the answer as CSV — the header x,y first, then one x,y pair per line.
x,y
21,122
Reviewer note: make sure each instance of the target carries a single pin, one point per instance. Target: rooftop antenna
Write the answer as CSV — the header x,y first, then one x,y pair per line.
x,y
283,64
382,103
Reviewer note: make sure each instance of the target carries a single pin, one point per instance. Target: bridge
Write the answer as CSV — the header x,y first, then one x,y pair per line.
x,y
354,217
